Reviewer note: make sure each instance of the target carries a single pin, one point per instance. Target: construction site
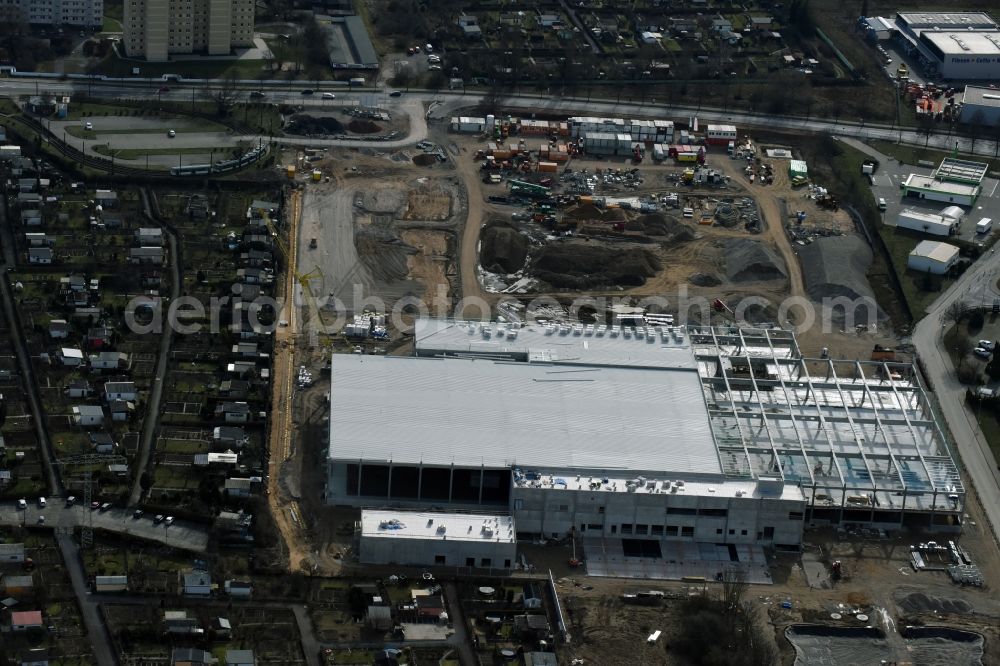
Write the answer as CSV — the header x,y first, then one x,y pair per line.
x,y
523,216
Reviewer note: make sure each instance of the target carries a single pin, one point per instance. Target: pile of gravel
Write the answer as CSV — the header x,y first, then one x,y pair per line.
x,y
836,266
752,261
919,602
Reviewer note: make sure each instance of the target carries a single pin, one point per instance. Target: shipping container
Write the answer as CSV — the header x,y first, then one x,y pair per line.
x,y
548,167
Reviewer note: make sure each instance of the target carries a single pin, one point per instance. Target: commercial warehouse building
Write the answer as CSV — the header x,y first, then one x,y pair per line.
x,y
955,181
932,257
952,45
349,43
981,106
665,434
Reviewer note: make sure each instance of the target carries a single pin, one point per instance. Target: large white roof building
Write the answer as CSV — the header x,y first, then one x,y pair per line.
x,y
655,431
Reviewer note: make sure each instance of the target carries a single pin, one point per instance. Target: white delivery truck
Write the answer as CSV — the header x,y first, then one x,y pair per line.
x,y
984,225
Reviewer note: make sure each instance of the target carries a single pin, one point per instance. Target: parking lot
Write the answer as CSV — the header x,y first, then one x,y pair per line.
x,y
891,175
179,535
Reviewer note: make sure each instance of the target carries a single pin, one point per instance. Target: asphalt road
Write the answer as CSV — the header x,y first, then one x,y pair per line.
x,y
187,536
97,631
166,337
980,465
448,101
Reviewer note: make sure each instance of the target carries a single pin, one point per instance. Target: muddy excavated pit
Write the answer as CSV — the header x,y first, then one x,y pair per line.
x,y
573,264
504,248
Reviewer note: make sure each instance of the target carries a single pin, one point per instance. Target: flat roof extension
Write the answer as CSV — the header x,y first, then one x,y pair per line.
x,y
402,524
921,182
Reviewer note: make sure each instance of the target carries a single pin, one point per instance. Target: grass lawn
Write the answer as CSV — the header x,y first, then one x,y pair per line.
x,y
176,477
111,25
900,242
913,154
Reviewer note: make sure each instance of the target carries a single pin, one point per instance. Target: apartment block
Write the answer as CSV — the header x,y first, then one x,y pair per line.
x,y
158,29
75,13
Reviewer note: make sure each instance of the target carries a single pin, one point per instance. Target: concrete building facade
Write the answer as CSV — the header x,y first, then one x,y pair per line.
x,y
675,434
157,29
75,13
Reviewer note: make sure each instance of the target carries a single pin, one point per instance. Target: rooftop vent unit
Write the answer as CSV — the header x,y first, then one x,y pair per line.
x,y
442,529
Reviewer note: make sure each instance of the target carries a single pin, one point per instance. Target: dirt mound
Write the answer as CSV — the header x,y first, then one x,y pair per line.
x,y
592,212
836,267
362,126
704,280
425,159
919,602
504,248
581,265
752,261
658,224
306,125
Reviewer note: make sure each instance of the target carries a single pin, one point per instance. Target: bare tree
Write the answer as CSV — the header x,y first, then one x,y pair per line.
x,y
976,128
954,313
925,126
223,94
734,586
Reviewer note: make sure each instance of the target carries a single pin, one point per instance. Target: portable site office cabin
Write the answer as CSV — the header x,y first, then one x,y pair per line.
x,y
720,135
798,169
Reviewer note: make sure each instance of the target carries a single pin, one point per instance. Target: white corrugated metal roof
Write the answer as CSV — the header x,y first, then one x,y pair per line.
x,y
497,414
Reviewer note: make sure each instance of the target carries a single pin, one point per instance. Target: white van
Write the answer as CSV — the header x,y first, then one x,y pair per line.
x,y
881,204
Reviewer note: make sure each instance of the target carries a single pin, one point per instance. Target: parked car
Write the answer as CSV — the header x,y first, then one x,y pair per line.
x,y
986,344
158,519
329,95
22,504
169,520
171,133
105,506
395,93
307,91
41,520
71,500
256,93
137,514
41,502
88,126
95,505
982,353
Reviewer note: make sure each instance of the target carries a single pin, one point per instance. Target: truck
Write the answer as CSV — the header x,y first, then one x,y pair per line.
x,y
984,225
